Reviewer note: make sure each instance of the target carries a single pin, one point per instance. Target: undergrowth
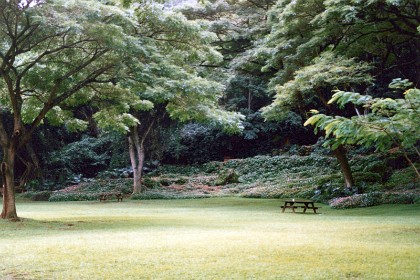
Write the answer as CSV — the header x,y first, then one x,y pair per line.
x,y
315,176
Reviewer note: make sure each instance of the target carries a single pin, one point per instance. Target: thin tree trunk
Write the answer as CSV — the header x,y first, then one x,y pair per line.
x,y
7,171
133,142
411,164
137,153
340,154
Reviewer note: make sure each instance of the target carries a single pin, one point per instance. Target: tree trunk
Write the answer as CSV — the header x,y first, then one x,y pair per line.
x,y
7,171
411,164
136,149
340,154
136,140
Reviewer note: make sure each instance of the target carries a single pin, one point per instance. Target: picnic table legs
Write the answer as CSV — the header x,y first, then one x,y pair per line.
x,y
288,205
306,205
309,205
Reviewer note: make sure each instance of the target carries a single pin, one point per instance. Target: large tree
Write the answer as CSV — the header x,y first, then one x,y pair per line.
x,y
385,123
169,82
55,55
304,34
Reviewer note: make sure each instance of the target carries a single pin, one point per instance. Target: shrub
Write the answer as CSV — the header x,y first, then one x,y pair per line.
x,y
149,195
150,183
378,167
356,200
228,176
37,196
403,178
330,180
87,157
73,196
122,185
391,198
367,177
268,191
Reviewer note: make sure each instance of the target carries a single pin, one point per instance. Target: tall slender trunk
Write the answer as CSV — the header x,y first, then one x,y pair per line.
x,y
340,154
7,172
137,152
411,163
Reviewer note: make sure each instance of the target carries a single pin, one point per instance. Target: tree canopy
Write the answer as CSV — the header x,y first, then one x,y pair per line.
x,y
58,55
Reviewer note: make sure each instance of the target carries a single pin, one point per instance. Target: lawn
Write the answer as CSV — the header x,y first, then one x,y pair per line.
x,y
219,238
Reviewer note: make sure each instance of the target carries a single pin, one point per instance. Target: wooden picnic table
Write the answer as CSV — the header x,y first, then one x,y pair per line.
x,y
294,204
107,195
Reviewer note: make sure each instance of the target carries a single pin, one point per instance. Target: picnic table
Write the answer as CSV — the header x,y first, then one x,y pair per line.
x,y
294,204
107,195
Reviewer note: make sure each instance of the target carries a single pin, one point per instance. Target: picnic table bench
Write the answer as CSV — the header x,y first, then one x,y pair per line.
x,y
294,204
107,195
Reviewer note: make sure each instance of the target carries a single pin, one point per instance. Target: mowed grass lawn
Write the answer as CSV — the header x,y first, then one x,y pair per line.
x,y
220,238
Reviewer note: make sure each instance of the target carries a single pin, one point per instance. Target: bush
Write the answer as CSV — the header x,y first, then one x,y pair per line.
x,y
37,196
73,196
268,191
378,167
403,178
228,176
367,177
87,157
356,200
390,198
150,183
148,195
122,185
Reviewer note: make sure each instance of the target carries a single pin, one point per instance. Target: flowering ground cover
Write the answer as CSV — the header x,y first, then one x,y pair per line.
x,y
216,238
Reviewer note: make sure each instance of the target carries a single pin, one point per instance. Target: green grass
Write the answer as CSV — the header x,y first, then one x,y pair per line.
x,y
220,238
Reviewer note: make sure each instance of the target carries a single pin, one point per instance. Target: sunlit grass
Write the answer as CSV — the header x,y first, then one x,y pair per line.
x,y
224,238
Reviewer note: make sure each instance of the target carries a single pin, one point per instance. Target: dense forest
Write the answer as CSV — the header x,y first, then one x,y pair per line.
x,y
288,91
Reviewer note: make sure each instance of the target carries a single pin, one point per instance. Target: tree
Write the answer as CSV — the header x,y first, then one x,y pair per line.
x,y
54,56
168,82
305,33
385,123
312,85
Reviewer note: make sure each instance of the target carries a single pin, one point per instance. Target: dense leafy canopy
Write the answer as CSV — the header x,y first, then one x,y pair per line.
x,y
56,56
385,123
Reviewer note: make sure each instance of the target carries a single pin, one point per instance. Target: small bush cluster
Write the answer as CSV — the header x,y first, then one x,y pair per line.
x,y
400,198
124,186
73,196
372,199
403,178
92,190
37,196
269,191
356,200
149,195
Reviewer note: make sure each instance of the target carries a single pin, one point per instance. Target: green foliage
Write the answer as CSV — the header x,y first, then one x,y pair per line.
x,y
365,177
404,178
357,200
280,170
310,83
391,122
193,143
392,198
87,156
107,185
150,183
148,195
372,199
91,191
227,176
73,196
37,195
